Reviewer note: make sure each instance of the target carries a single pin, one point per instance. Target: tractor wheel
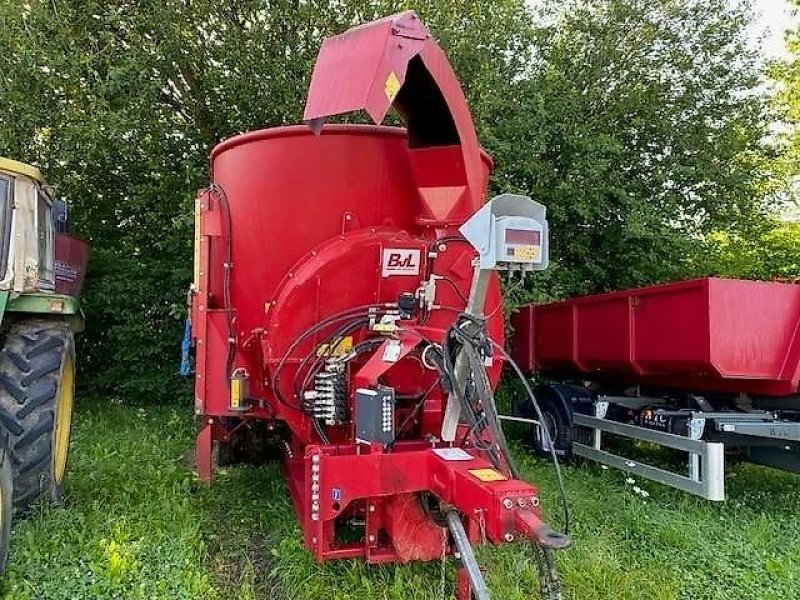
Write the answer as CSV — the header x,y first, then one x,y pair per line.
x,y
37,386
6,503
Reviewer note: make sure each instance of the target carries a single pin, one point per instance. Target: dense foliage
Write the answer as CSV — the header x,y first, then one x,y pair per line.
x,y
638,122
787,75
644,132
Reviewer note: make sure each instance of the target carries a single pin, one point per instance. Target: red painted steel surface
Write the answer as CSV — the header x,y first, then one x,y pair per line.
x,y
713,335
372,484
311,216
352,68
319,224
395,61
71,259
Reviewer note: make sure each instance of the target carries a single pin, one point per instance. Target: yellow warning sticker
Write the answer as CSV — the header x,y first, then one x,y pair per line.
x,y
487,475
338,347
392,86
236,393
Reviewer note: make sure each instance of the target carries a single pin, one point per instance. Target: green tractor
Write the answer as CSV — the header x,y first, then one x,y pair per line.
x,y
41,274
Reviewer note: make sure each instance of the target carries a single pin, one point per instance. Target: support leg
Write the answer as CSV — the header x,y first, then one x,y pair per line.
x,y
469,566
202,457
463,586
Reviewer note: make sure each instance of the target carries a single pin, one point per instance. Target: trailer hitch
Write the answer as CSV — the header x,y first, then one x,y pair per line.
x,y
544,540
539,532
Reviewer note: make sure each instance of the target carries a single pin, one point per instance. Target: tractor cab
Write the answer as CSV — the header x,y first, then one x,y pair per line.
x,y
41,266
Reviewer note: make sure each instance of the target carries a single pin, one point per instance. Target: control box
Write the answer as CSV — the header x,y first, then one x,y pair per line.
x,y
374,418
510,233
519,240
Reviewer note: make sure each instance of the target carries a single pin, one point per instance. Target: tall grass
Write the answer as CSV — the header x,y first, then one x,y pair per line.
x,y
138,525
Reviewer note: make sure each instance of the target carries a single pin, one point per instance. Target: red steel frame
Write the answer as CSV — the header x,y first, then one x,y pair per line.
x,y
310,218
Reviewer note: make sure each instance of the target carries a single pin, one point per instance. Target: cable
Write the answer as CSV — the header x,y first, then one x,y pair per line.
x,y
474,347
505,294
366,345
488,316
320,432
225,208
475,343
545,433
313,330
414,411
429,269
455,287
477,350
446,239
333,343
314,421
338,336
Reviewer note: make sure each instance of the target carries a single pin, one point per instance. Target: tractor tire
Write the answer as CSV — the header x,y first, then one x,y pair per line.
x,y
37,387
6,501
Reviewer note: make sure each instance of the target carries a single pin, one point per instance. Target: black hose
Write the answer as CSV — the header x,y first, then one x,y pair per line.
x,y
313,330
476,344
545,433
454,286
320,432
333,343
414,411
227,266
472,344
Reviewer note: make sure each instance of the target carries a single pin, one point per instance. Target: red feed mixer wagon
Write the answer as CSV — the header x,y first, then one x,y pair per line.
x,y
709,366
342,275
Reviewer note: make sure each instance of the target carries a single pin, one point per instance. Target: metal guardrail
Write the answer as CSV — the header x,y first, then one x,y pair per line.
x,y
706,459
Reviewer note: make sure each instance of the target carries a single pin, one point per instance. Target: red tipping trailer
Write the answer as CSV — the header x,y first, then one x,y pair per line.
x,y
711,335
713,359
331,286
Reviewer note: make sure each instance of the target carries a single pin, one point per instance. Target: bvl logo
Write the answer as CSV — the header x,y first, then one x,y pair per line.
x,y
400,261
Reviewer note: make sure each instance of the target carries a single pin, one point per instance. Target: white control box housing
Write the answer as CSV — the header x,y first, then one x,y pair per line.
x,y
510,233
519,240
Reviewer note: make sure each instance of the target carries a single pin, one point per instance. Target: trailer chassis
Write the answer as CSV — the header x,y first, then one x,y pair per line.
x,y
762,437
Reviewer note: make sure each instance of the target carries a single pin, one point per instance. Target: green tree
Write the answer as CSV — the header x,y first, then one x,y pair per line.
x,y
786,75
642,127
120,103
774,254
638,123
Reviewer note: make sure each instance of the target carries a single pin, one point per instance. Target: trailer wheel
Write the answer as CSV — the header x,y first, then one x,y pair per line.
x,y
558,425
37,393
6,501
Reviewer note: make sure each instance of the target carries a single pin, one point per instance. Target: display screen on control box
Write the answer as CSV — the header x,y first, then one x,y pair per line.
x,y
527,237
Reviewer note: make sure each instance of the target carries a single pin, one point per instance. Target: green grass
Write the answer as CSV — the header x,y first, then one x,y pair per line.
x,y
139,525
